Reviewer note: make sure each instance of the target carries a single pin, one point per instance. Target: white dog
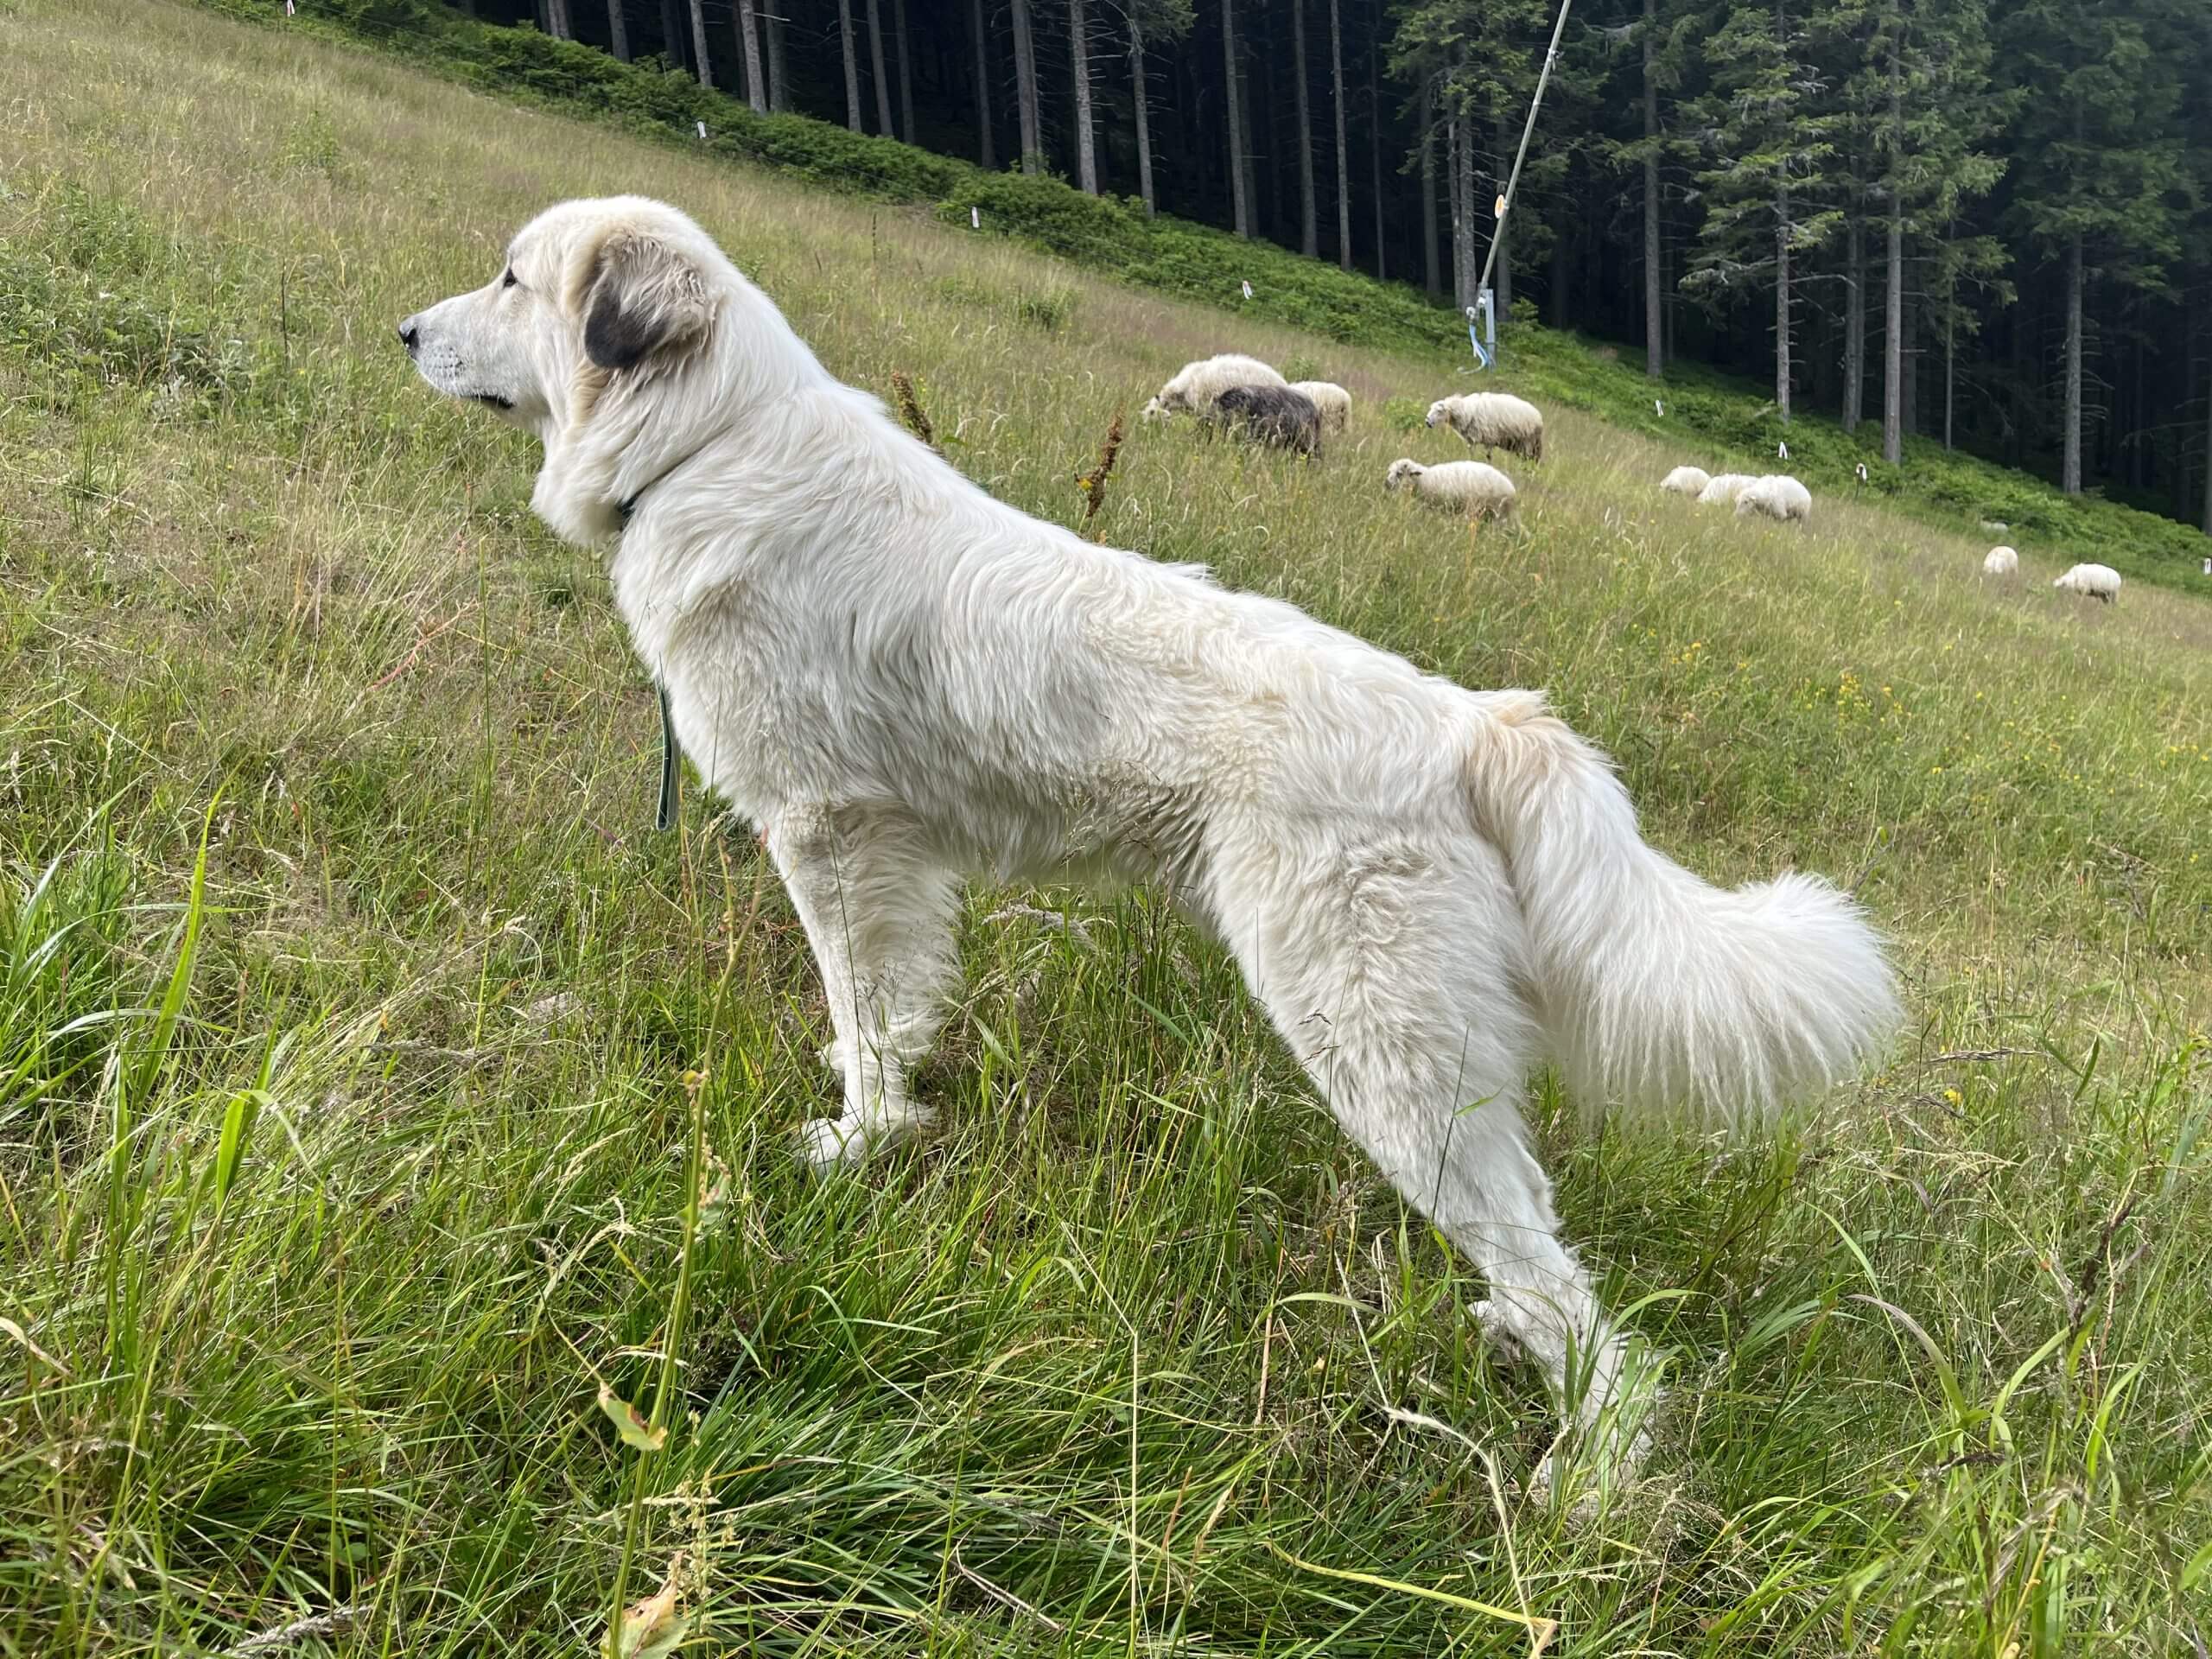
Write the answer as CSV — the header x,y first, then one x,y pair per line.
x,y
902,680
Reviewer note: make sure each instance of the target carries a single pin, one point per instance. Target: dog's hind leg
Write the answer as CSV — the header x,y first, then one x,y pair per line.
x,y
1390,972
878,907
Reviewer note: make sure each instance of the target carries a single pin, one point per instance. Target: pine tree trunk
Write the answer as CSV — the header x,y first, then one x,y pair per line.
x,y
1344,168
1654,362
1309,231
2069,475
1240,206
1501,282
1562,270
1143,112
779,83
983,87
1893,338
1909,395
1432,268
671,34
748,40
2207,462
1375,139
905,72
852,64
1950,377
882,81
1782,302
1854,322
556,19
1025,87
1086,156
1462,213
1452,205
705,64
617,30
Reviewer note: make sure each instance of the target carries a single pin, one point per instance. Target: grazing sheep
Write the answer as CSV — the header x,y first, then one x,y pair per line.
x,y
1721,488
1331,399
1196,384
1493,420
1685,480
1994,527
2000,561
2091,581
1271,414
1477,490
1778,496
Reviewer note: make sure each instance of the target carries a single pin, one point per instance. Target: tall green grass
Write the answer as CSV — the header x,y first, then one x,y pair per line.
x,y
376,1088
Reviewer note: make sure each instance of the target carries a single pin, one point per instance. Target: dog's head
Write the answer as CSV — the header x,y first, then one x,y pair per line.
x,y
588,290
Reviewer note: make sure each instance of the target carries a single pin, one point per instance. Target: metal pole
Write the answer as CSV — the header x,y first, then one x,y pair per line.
x,y
1551,56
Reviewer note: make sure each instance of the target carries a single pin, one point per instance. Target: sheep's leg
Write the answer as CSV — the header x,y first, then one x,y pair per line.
x,y
878,908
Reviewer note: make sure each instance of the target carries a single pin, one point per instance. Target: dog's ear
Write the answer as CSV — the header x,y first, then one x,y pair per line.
x,y
641,297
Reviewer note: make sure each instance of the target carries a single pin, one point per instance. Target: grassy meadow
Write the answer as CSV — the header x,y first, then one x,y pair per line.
x,y
377,1088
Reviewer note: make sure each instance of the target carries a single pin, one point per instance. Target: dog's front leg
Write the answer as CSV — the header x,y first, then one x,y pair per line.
x,y
878,908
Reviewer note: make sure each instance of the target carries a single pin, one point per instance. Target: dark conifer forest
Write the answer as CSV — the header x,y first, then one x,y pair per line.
x,y
1988,225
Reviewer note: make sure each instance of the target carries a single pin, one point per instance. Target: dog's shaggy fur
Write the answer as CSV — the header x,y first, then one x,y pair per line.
x,y
1271,414
902,680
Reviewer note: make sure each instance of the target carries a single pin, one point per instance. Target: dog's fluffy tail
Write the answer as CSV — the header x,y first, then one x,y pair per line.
x,y
1655,986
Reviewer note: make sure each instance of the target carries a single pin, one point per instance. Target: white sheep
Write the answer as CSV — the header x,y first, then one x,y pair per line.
x,y
1473,487
1331,399
1994,526
2091,581
1196,384
1493,420
1685,480
1778,496
2000,561
1721,488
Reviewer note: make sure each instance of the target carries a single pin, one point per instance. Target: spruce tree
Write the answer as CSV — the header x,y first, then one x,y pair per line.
x,y
2100,179
1764,142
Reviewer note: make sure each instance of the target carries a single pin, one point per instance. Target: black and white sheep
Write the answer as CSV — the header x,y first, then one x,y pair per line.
x,y
1271,414
1331,399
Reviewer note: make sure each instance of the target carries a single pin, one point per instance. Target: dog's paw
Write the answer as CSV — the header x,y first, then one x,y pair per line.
x,y
1504,1346
831,1143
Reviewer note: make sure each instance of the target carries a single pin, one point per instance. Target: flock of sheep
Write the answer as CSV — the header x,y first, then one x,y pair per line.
x,y
1779,496
1246,397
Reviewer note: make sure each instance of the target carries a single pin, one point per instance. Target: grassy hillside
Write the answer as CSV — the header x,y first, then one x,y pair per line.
x,y
1726,423
355,1028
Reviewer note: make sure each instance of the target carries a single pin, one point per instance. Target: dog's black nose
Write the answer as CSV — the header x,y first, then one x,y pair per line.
x,y
409,334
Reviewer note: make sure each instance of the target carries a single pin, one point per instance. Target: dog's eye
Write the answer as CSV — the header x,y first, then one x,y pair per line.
x,y
508,281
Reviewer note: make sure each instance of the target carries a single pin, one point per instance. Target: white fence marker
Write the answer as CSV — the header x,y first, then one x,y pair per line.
x,y
703,125
974,218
